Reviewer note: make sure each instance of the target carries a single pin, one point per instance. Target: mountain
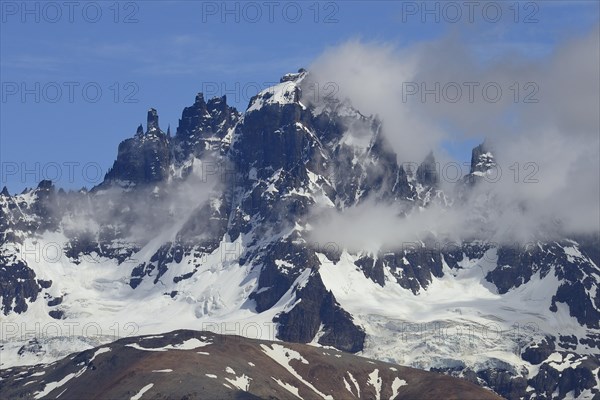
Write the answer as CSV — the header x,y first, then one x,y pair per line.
x,y
214,229
198,365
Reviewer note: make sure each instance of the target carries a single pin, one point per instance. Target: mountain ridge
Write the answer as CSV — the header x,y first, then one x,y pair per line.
x,y
189,364
216,224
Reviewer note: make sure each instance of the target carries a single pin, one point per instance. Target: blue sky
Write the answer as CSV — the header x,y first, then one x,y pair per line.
x,y
160,54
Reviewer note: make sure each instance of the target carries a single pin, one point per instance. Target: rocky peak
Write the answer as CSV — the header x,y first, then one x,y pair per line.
x,y
193,118
203,126
427,172
293,76
45,185
286,92
482,163
218,100
482,160
45,206
217,104
5,192
199,99
148,156
152,121
144,158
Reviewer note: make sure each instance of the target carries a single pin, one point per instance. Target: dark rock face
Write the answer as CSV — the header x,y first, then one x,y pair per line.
x,y
158,264
427,173
149,166
482,160
416,268
269,139
18,285
55,301
372,269
581,306
538,352
56,314
19,219
505,383
518,265
483,167
339,329
45,206
152,121
319,308
143,159
523,263
550,380
202,127
279,272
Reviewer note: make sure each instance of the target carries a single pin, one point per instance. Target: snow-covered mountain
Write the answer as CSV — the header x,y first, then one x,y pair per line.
x,y
213,229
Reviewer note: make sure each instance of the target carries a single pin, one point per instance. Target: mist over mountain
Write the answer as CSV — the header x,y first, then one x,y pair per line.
x,y
329,218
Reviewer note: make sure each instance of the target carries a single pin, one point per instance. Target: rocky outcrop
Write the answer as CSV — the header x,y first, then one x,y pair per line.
x,y
143,159
318,313
203,127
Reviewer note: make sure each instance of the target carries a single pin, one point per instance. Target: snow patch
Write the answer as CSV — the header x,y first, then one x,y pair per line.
x,y
282,356
355,383
143,390
189,344
290,388
49,387
397,384
100,351
375,381
240,382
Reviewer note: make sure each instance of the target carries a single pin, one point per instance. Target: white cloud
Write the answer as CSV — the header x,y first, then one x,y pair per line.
x,y
558,135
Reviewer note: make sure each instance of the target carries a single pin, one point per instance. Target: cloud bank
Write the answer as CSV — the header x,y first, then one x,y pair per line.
x,y
544,130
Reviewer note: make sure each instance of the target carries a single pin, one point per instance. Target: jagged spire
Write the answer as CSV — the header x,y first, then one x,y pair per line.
x,y
427,173
152,121
481,158
45,184
199,98
5,192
